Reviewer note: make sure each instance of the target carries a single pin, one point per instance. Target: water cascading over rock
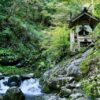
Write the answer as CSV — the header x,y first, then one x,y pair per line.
x,y
29,88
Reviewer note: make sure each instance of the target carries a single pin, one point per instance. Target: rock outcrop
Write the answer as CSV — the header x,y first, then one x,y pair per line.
x,y
14,93
1,97
53,97
66,78
14,81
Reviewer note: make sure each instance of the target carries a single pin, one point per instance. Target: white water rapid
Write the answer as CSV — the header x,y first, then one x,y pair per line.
x,y
29,87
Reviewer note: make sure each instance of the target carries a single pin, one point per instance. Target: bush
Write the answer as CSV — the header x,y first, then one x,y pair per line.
x,y
90,88
58,45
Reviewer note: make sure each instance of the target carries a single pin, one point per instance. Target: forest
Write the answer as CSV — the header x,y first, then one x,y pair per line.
x,y
35,51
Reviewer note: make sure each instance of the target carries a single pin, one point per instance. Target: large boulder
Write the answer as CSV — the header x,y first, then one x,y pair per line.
x,y
14,93
65,92
1,97
14,81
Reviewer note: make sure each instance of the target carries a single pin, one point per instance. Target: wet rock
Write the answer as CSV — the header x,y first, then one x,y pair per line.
x,y
13,84
65,92
74,71
78,85
14,93
65,77
76,95
52,82
14,81
5,83
53,97
26,76
82,98
57,70
1,97
73,85
2,77
76,90
56,82
70,86
46,75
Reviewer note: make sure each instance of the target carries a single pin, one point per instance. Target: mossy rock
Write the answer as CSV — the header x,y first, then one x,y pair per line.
x,y
37,73
91,62
46,89
14,93
84,68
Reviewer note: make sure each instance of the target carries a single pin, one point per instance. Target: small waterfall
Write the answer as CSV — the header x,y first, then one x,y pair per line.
x,y
30,87
3,87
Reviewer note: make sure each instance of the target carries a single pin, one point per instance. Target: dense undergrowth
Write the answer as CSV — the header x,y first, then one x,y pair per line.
x,y
90,68
35,34
34,37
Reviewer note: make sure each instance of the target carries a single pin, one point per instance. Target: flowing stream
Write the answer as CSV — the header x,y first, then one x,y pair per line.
x,y
30,87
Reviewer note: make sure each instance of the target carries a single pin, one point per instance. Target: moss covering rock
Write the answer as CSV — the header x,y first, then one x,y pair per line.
x,y
14,93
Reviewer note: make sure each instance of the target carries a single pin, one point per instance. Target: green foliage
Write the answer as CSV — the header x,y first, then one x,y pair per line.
x,y
58,44
36,30
46,89
89,88
12,70
8,57
92,60
92,65
5,52
5,6
97,31
85,66
97,9
60,37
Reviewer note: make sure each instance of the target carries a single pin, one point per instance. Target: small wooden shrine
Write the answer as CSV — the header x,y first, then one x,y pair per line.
x,y
82,30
